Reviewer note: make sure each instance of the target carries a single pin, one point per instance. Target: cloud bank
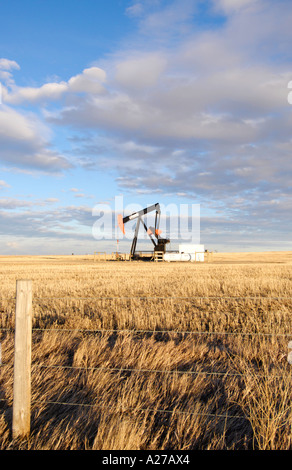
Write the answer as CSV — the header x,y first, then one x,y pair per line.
x,y
194,105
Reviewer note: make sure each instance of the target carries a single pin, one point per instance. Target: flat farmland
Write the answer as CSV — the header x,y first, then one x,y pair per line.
x,y
153,356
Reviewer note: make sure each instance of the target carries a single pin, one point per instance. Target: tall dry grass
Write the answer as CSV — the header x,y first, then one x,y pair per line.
x,y
111,371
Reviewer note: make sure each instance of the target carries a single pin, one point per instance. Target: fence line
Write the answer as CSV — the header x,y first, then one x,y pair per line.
x,y
22,354
155,371
239,333
162,371
207,297
126,410
123,410
97,330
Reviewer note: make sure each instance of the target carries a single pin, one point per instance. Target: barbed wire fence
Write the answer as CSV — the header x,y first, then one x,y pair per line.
x,y
23,341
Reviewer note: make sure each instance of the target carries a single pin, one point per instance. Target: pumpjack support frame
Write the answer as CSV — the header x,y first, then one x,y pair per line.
x,y
158,242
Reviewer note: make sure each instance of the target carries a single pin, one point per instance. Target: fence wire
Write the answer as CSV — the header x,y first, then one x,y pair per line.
x,y
154,332
135,410
194,297
144,331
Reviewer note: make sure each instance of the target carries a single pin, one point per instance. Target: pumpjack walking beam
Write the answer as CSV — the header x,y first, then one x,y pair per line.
x,y
142,212
159,243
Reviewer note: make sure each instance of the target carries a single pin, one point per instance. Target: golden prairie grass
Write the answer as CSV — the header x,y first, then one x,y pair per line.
x,y
153,355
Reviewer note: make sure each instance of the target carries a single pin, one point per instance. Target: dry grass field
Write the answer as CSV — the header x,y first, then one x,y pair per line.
x,y
130,356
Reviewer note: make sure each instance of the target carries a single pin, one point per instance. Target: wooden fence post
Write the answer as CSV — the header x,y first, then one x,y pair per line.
x,y
22,360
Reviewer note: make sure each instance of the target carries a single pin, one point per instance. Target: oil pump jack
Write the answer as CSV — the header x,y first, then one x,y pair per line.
x,y
154,233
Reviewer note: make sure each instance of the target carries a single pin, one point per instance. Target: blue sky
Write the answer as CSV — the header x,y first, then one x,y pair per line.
x,y
177,102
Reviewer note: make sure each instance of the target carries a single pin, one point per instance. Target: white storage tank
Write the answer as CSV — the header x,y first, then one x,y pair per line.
x,y
177,257
196,251
186,252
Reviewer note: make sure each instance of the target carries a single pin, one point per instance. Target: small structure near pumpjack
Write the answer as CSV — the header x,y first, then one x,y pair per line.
x,y
186,252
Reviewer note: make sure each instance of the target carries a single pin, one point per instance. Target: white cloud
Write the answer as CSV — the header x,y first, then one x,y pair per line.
x,y
131,146
49,91
13,245
231,6
140,72
16,126
231,105
170,19
52,200
3,184
24,142
135,10
7,64
89,81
